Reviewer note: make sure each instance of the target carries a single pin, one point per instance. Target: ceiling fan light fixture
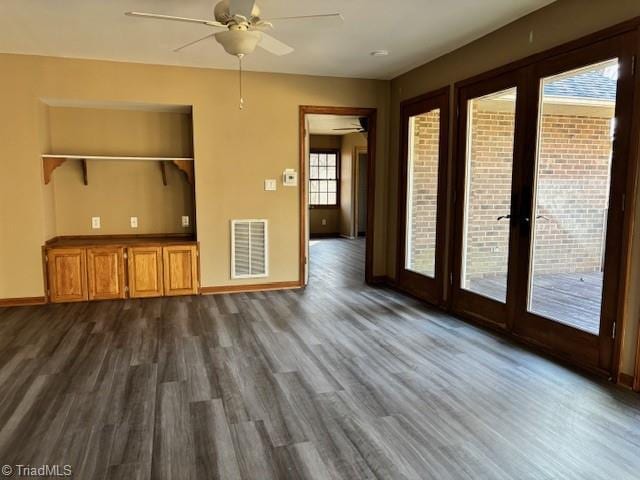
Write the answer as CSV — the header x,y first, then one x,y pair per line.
x,y
239,42
241,22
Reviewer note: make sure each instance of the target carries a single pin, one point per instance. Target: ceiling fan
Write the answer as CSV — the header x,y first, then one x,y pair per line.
x,y
361,127
241,29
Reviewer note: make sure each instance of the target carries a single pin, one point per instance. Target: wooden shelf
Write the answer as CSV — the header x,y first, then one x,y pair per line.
x,y
52,161
103,157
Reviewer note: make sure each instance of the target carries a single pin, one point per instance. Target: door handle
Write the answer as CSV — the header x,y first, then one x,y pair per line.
x,y
502,217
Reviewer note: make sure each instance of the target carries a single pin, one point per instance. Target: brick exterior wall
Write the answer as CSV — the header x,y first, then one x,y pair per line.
x,y
573,189
573,193
489,193
424,192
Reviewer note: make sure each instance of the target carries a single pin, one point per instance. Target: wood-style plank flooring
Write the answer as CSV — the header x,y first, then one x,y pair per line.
x,y
340,381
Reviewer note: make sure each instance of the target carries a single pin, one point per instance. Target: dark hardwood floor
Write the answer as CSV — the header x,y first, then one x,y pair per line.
x,y
337,381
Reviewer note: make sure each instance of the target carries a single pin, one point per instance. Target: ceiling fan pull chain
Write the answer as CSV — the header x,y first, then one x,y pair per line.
x,y
240,72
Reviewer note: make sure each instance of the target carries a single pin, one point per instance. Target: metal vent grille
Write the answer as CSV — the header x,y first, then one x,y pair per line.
x,y
249,248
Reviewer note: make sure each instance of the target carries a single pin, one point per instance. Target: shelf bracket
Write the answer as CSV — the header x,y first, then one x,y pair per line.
x,y
49,164
85,176
186,166
163,169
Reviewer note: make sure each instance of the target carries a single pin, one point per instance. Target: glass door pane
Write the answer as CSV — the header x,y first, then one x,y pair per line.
x,y
422,192
489,167
573,175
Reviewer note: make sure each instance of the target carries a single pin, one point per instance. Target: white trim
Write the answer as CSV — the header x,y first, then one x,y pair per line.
x,y
590,102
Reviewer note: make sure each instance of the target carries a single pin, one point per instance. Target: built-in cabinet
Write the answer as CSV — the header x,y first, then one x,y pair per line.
x,y
180,270
67,275
145,272
105,273
134,269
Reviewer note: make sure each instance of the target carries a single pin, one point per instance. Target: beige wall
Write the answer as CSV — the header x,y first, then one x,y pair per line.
x,y
102,131
234,152
118,190
347,173
331,215
325,141
48,196
550,27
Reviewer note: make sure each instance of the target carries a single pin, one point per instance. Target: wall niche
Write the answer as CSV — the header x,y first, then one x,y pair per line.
x,y
117,161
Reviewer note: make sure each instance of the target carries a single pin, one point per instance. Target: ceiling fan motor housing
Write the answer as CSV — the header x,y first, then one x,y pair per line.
x,y
222,13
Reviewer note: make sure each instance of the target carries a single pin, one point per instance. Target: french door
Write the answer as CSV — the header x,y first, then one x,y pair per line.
x,y
488,205
541,178
424,152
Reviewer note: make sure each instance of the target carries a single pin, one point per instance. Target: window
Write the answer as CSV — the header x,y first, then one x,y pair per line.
x,y
323,178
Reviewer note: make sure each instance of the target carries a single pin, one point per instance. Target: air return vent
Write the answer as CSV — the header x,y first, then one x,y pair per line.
x,y
249,249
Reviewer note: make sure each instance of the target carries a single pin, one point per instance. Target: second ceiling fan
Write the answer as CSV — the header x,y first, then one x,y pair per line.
x,y
361,127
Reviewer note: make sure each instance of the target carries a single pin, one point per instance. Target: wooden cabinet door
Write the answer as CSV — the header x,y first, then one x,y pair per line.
x,y
105,272
145,272
67,274
180,270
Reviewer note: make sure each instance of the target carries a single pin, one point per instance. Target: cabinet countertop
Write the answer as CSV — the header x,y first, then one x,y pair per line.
x,y
119,241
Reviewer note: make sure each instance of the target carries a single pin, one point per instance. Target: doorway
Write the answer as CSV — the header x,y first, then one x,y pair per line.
x,y
541,175
337,165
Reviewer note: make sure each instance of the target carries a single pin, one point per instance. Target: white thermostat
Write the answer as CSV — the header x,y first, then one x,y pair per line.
x,y
290,178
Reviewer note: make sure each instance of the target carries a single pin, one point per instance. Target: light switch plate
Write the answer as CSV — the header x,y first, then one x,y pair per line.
x,y
185,220
270,185
95,222
134,222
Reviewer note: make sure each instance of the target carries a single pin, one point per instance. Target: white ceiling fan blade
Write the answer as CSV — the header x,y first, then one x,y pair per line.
x,y
241,7
157,16
331,18
194,42
273,45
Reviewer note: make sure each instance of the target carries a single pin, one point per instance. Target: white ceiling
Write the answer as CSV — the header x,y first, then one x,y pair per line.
x,y
320,124
413,31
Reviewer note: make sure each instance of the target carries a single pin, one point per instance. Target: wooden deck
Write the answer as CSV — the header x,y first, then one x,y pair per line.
x,y
570,298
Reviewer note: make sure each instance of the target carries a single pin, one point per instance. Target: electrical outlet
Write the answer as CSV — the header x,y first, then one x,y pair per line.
x,y
95,223
185,220
324,221
270,185
134,222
